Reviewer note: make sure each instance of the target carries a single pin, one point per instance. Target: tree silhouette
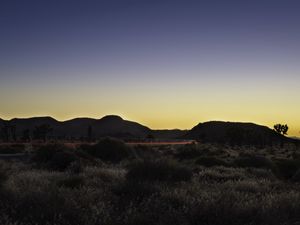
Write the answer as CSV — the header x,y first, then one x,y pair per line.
x,y
281,129
26,135
8,132
41,132
5,133
13,132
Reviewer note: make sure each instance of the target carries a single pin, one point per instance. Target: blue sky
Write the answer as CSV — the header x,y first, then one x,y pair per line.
x,y
164,63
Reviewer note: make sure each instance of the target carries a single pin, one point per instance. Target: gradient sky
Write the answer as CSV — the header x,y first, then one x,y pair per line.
x,y
163,63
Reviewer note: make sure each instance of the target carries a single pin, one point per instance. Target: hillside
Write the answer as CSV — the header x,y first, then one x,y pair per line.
x,y
111,125
214,131
235,133
77,128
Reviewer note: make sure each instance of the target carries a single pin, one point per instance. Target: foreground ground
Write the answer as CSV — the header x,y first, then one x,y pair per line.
x,y
113,183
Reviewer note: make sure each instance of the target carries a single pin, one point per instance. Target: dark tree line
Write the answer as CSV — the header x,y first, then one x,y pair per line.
x,y
8,132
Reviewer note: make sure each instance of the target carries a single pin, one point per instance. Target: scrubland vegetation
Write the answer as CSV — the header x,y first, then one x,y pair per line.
x,y
111,183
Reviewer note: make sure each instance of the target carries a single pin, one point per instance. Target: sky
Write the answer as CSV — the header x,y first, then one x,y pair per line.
x,y
163,63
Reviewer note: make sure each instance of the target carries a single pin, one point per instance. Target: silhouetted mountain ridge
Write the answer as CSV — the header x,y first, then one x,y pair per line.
x,y
78,128
115,126
236,133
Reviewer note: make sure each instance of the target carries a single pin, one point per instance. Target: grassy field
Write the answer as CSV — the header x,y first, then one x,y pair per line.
x,y
114,183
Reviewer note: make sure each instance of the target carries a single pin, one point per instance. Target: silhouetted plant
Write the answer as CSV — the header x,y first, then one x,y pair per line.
x,y
108,149
62,160
281,129
5,134
26,135
54,157
13,132
8,132
41,132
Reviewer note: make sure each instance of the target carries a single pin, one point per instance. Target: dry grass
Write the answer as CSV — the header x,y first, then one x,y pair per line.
x,y
105,193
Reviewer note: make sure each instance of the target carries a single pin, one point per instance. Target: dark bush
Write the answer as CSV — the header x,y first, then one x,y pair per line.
x,y
168,171
134,190
189,151
62,160
46,152
210,161
254,161
75,167
108,149
54,157
296,155
296,176
3,173
145,152
74,181
287,168
45,207
12,149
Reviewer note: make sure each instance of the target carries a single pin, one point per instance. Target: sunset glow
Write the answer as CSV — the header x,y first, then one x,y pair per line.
x,y
164,64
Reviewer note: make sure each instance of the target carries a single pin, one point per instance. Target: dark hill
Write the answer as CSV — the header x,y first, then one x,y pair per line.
x,y
235,133
31,123
113,126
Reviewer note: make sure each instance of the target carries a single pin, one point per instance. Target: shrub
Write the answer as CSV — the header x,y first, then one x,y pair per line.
x,y
189,151
45,207
75,167
46,152
73,181
134,190
3,173
54,156
145,152
287,168
168,171
254,161
12,149
62,160
108,149
296,176
210,161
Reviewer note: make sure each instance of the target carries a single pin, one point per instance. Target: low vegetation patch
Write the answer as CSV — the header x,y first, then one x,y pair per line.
x,y
189,151
254,161
12,148
54,157
287,168
210,161
108,149
152,185
166,171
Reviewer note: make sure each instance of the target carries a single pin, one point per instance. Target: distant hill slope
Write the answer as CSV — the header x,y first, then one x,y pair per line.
x,y
110,125
235,133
